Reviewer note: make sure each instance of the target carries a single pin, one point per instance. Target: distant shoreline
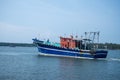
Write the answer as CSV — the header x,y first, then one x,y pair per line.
x,y
110,46
17,44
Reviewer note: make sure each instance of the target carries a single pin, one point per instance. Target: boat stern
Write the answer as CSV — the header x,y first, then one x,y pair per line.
x,y
101,54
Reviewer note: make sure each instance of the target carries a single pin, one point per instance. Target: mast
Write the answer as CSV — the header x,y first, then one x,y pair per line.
x,y
98,38
81,42
85,40
98,33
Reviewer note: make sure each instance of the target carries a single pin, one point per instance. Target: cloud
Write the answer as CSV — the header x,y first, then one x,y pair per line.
x,y
14,33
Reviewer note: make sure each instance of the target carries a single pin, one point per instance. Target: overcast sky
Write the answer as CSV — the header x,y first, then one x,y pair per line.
x,y
22,20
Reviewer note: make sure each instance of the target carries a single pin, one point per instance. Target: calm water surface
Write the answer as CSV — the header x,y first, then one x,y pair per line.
x,y
24,63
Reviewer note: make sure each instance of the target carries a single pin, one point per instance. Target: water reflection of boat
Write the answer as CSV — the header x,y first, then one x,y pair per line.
x,y
73,47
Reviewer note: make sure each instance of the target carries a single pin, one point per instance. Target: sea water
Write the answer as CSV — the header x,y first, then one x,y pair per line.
x,y
24,63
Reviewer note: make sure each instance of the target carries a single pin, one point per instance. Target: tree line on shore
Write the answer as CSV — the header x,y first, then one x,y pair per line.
x,y
17,44
109,45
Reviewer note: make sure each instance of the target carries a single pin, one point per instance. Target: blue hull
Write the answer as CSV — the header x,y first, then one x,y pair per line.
x,y
58,51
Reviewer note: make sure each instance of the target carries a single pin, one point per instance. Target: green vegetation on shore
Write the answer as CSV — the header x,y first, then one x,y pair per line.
x,y
101,45
109,45
17,44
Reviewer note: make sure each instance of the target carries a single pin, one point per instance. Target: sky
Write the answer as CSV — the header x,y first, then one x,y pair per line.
x,y
22,20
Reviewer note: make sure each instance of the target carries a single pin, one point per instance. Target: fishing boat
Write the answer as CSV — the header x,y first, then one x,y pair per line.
x,y
84,47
